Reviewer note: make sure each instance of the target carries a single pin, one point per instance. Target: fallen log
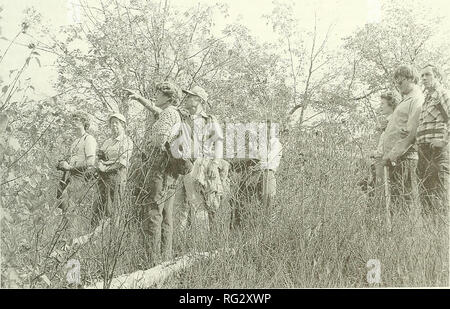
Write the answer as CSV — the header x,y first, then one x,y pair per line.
x,y
85,238
79,241
157,275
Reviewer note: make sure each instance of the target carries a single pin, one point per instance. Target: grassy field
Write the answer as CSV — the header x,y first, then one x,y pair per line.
x,y
325,233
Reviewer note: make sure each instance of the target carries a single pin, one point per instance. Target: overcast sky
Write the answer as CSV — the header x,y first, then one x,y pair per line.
x,y
346,14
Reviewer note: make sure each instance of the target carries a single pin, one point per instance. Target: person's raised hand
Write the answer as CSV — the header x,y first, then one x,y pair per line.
x,y
132,95
64,165
101,167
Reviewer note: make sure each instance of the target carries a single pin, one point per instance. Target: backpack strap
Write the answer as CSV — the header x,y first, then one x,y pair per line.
x,y
84,141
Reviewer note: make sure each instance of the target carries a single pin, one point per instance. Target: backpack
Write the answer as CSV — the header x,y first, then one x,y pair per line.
x,y
179,150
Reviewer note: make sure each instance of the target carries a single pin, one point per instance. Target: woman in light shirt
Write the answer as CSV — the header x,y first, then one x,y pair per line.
x,y
114,161
78,167
387,105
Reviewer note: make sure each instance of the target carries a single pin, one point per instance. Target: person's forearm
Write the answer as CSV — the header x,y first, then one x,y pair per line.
x,y
90,161
113,167
150,106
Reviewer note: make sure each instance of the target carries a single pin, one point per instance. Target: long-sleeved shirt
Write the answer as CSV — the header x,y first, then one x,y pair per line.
x,y
403,120
433,125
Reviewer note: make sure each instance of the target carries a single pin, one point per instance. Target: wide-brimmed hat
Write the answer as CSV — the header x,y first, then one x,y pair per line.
x,y
199,92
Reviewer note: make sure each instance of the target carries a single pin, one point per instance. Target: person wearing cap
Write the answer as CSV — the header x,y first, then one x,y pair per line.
x,y
155,181
206,184
78,165
114,159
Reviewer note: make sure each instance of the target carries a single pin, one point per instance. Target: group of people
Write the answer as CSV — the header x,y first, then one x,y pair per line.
x,y
413,144
184,145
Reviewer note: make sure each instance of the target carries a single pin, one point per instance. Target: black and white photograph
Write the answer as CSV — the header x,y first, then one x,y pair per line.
x,y
231,145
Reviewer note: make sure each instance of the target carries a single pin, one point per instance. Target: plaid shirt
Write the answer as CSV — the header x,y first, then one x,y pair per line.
x,y
432,124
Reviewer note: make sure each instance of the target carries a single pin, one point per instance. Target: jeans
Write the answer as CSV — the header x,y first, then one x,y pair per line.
x,y
433,172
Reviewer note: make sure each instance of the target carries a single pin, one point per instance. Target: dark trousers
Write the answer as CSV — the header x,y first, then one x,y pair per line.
x,y
155,198
403,182
248,187
433,172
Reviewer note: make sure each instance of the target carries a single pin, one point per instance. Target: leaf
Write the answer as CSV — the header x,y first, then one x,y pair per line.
x,y
4,214
14,143
33,183
11,176
4,89
38,61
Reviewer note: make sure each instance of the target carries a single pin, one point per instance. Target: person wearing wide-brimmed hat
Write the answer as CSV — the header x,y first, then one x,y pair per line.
x,y
113,162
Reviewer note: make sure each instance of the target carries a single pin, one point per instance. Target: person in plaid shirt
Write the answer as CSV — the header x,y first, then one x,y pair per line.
x,y
432,140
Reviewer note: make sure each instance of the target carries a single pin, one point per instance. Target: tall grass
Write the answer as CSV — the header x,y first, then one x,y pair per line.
x,y
325,232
